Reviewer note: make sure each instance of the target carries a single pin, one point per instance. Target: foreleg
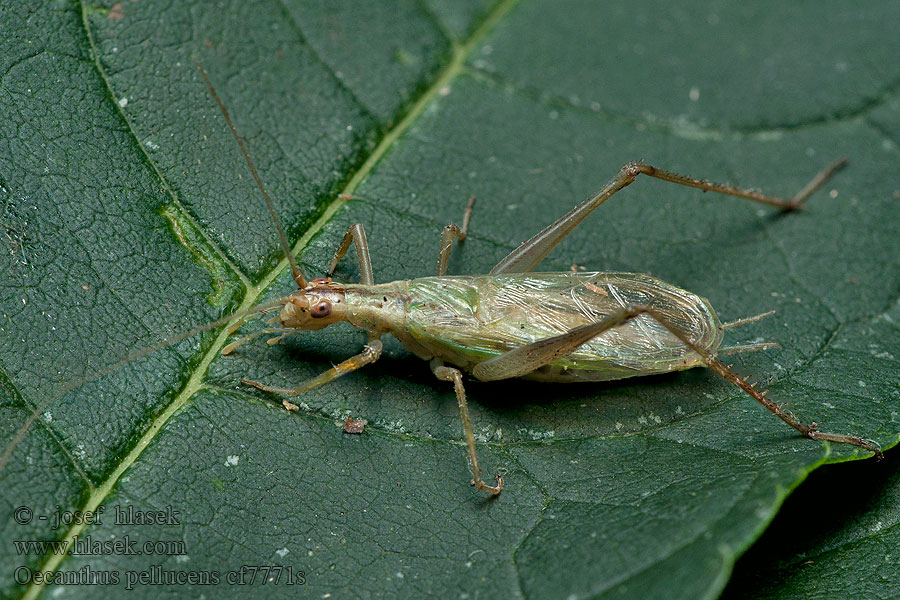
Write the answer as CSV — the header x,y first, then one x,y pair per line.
x,y
369,355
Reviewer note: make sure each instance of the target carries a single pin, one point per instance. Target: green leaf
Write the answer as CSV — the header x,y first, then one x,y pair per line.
x,y
129,215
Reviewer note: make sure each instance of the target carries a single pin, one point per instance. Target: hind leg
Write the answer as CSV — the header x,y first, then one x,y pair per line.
x,y
527,256
526,359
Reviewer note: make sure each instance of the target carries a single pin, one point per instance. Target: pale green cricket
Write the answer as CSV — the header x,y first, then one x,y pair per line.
x,y
555,327
552,327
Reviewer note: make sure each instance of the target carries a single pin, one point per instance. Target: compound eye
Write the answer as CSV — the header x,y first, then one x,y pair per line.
x,y
322,309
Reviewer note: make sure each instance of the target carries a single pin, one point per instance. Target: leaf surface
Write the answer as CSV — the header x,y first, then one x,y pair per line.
x,y
129,216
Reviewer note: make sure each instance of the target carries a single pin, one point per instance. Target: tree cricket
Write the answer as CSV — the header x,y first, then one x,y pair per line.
x,y
513,322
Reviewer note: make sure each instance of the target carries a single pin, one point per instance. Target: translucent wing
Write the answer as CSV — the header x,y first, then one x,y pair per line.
x,y
469,319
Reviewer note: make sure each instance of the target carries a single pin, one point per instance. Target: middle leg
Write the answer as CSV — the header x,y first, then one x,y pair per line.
x,y
445,373
453,231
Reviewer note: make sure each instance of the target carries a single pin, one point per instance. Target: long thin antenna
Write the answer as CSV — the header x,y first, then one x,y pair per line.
x,y
20,434
295,270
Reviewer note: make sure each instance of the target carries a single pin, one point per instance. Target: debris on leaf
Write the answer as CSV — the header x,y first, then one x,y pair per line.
x,y
354,426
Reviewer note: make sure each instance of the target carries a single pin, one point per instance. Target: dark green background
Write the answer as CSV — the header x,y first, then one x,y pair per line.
x,y
128,215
